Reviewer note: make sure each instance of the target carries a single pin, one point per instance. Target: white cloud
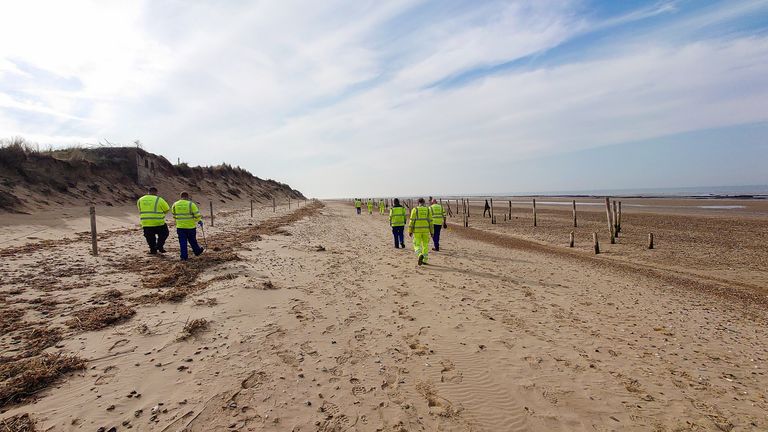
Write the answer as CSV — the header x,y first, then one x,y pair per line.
x,y
338,98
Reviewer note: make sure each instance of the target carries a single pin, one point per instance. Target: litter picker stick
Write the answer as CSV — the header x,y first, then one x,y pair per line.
x,y
202,229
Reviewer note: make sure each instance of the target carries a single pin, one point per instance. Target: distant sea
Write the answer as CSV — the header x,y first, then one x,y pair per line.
x,y
722,192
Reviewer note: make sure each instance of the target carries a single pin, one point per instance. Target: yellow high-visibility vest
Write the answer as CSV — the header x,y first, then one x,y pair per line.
x,y
438,216
397,216
152,210
421,221
186,213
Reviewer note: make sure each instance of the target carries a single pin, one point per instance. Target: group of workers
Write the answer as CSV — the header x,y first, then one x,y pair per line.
x,y
186,214
425,222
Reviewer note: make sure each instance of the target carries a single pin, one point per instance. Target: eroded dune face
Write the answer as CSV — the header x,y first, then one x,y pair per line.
x,y
115,176
308,319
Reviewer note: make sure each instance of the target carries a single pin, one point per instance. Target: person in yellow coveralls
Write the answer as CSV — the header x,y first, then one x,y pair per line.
x,y
420,228
381,207
370,206
358,205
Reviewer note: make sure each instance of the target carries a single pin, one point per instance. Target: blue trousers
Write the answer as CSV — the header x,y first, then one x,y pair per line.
x,y
436,236
188,235
397,233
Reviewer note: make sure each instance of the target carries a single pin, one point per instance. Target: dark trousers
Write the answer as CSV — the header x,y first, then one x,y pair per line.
x,y
397,233
358,210
188,235
156,237
436,236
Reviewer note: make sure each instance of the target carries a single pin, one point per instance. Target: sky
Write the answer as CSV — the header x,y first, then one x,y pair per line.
x,y
403,97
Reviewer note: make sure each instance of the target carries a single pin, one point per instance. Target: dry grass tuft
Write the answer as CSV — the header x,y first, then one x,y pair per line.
x,y
99,317
39,339
10,319
184,274
193,328
23,378
18,423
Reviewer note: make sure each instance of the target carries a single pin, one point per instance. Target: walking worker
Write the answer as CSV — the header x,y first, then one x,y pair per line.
x,y
420,228
397,222
358,205
187,216
438,220
370,206
152,211
487,209
381,207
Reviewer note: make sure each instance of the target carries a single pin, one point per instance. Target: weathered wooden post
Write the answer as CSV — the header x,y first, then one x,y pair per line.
x,y
618,227
610,219
650,240
493,219
251,208
615,220
94,238
274,206
574,213
571,239
597,245
510,210
534,212
211,213
289,203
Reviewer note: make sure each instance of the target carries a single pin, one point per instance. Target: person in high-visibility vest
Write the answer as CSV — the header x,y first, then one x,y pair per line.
x,y
420,228
187,216
358,205
397,221
438,220
370,206
152,211
381,207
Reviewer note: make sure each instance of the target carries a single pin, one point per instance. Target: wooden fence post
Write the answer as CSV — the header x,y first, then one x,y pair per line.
x,y
289,203
574,213
610,219
650,240
274,206
619,222
251,208
211,213
94,238
534,213
493,219
510,210
597,245
572,239
615,220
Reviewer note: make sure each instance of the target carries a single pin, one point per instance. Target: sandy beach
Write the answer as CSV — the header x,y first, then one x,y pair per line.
x,y
309,319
